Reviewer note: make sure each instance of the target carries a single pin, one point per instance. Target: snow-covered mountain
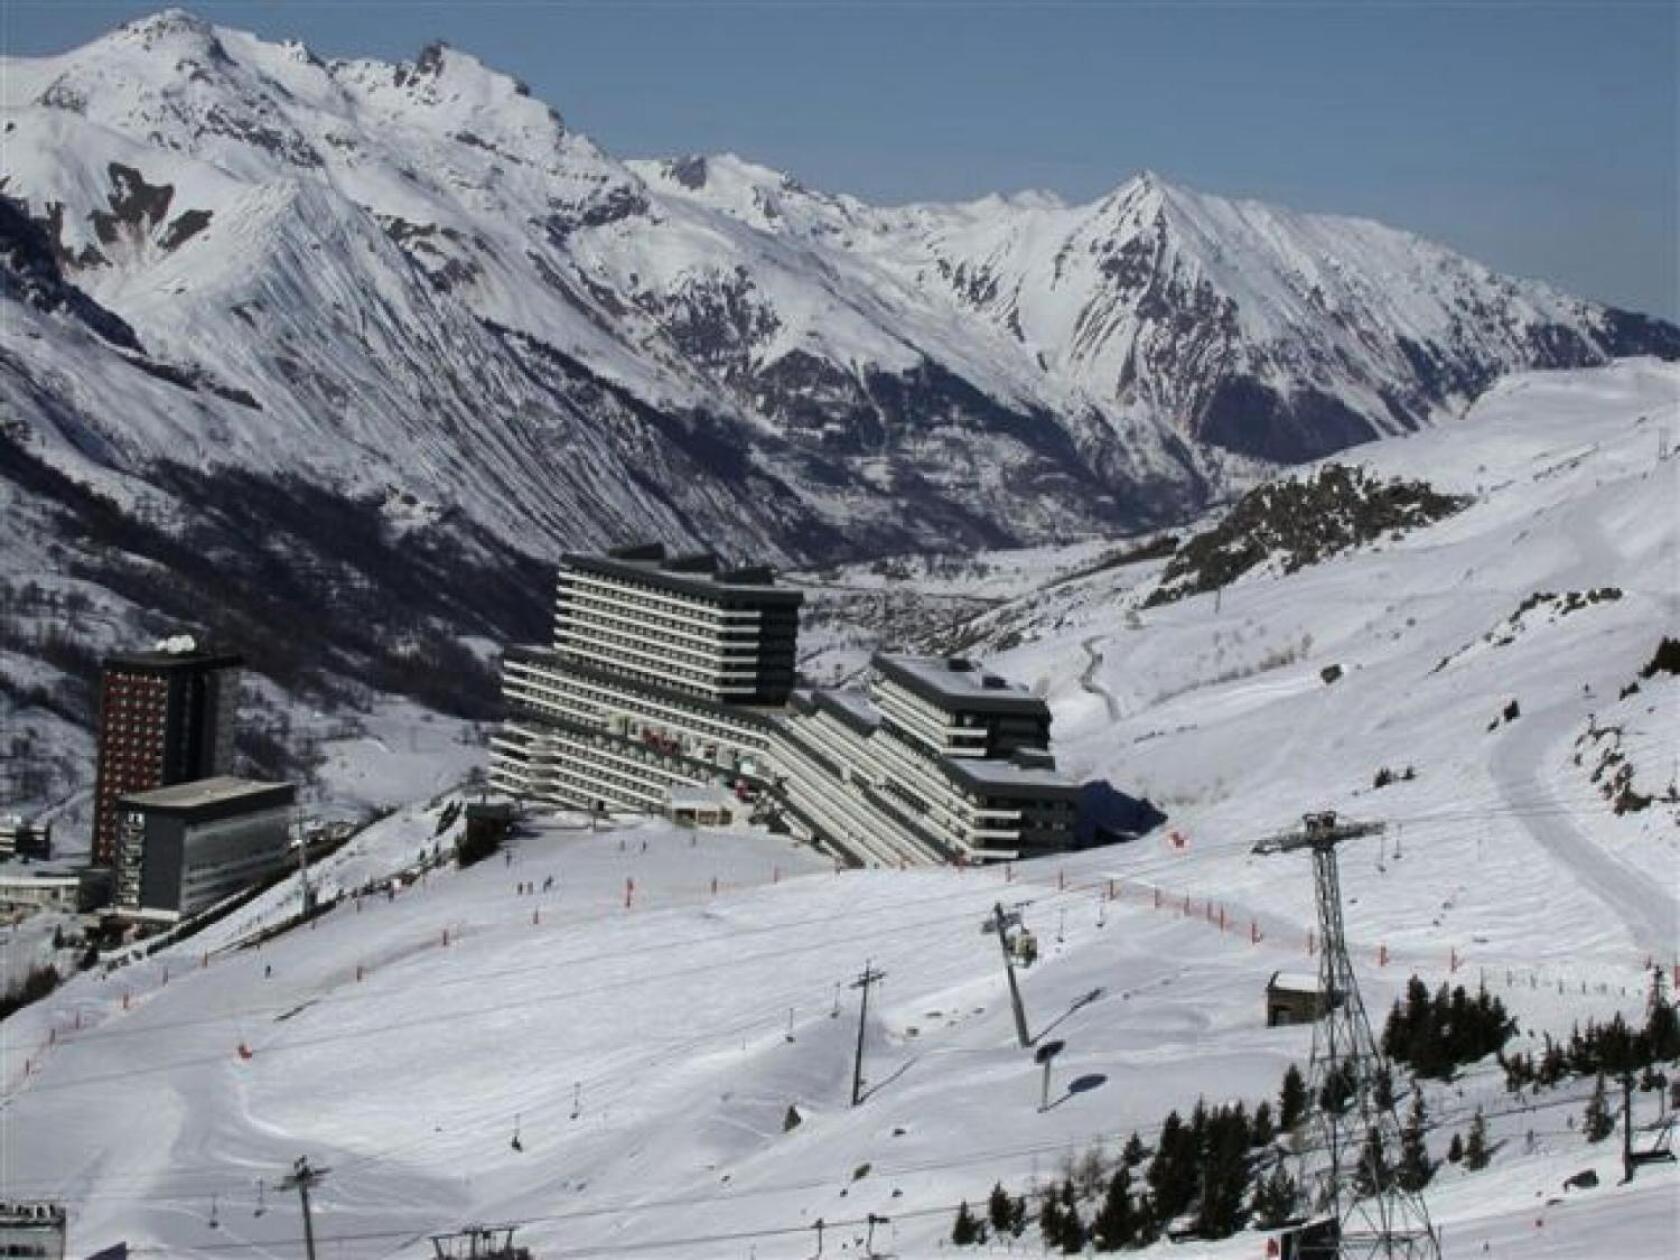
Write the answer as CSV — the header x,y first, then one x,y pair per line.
x,y
414,279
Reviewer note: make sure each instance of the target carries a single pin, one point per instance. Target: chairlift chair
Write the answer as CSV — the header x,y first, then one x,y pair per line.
x,y
1660,1150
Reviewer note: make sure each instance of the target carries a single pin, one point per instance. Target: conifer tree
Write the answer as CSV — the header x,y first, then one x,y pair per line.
x,y
1133,1155
1073,1229
1275,1198
1224,1175
1414,1170
1371,1174
1383,1088
1455,1151
1599,1123
1172,1173
1005,1214
1476,1155
966,1231
1116,1223
1338,1088
1292,1099
1262,1131
1050,1221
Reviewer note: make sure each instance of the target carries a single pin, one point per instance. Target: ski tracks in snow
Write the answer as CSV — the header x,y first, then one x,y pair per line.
x,y
1644,900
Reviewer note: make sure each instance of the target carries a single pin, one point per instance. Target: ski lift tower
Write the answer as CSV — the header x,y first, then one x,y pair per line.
x,y
1385,1220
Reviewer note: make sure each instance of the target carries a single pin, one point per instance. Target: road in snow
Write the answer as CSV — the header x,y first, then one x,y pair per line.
x,y
1088,679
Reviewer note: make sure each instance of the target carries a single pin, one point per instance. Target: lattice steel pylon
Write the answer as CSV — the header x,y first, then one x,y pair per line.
x,y
1359,1191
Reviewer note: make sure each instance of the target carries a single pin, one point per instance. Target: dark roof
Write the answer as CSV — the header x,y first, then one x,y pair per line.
x,y
211,798
850,707
957,684
154,662
997,778
700,574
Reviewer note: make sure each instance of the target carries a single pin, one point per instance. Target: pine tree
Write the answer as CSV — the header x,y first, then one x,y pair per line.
x,y
1050,1221
1001,1211
1599,1123
1383,1088
1371,1174
1338,1088
1223,1173
1133,1155
1116,1224
1018,1216
1275,1199
1455,1151
1073,1229
1414,1170
1172,1173
1476,1155
966,1231
1292,1099
1262,1129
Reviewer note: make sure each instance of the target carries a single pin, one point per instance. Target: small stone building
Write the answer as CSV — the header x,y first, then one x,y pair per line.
x,y
1293,998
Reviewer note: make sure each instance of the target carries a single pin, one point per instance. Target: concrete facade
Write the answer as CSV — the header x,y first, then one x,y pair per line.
x,y
186,847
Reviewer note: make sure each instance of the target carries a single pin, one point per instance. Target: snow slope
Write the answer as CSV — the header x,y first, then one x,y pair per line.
x,y
408,1065
1226,723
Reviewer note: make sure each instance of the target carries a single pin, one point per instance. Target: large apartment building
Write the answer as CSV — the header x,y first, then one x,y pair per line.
x,y
165,716
673,672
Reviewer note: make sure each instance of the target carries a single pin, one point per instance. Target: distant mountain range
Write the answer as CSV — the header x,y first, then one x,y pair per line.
x,y
413,287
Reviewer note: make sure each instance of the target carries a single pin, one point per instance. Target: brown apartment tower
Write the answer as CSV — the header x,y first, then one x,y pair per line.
x,y
165,716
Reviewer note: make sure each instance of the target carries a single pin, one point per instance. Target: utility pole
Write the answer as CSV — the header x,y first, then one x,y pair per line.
x,y
303,1178
1627,1127
1390,1222
1046,1055
1000,922
869,977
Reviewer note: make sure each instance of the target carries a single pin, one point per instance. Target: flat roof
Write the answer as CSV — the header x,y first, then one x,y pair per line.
x,y
689,796
1293,982
851,707
165,662
203,794
955,682
700,574
992,774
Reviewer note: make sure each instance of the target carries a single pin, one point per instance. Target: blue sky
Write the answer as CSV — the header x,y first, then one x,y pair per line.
x,y
1537,135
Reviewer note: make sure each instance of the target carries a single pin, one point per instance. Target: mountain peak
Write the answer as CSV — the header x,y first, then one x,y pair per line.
x,y
177,29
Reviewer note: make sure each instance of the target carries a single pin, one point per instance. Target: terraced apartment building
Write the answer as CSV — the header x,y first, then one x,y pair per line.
x,y
672,672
